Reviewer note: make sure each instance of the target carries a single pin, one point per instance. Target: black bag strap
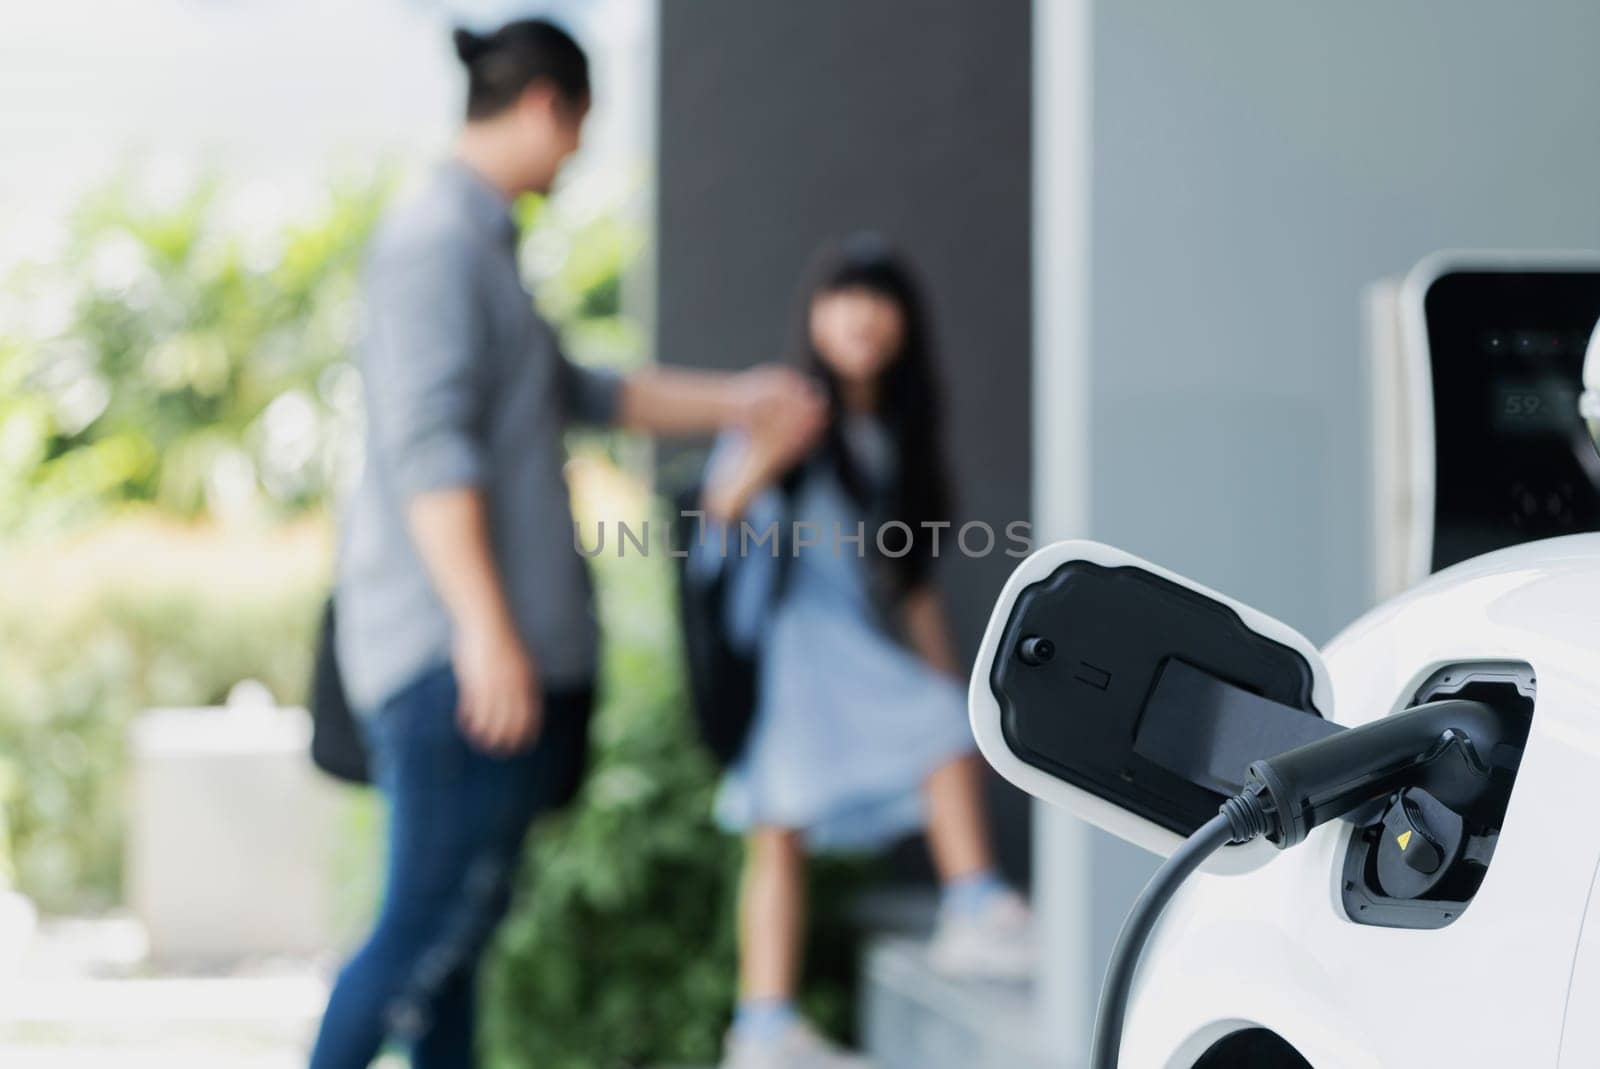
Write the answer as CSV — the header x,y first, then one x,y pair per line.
x,y
338,746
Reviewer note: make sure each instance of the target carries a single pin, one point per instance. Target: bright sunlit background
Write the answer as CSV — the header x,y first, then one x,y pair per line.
x,y
187,188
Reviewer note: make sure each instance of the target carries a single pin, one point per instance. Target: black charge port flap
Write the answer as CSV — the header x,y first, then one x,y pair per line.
x,y
1084,655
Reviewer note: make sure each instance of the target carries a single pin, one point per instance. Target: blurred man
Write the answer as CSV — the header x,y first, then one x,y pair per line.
x,y
466,630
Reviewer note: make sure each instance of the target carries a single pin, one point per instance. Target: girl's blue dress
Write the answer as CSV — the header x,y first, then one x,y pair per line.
x,y
848,721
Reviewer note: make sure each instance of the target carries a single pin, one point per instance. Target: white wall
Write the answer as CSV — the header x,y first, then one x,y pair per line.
x,y
1062,80
1252,164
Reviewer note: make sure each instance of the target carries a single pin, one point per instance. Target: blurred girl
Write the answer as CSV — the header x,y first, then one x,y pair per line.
x,y
860,732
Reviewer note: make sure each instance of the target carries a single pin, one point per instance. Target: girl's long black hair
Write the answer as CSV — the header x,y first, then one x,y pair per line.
x,y
909,407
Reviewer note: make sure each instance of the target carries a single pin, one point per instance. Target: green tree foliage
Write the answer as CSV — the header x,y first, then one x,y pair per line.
x,y
186,355
193,352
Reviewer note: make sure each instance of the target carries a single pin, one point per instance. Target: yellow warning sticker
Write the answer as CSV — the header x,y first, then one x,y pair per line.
x,y
1404,838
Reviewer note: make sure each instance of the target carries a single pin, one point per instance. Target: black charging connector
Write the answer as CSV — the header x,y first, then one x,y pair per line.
x,y
1443,747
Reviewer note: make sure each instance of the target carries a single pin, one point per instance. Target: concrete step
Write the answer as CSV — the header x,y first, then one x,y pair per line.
x,y
913,1018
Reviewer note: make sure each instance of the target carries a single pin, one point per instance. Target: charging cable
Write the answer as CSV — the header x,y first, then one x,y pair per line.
x,y
1242,818
1442,745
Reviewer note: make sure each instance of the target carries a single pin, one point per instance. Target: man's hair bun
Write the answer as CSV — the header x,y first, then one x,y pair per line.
x,y
469,46
502,64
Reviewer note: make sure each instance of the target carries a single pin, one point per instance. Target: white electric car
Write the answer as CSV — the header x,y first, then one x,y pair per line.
x,y
1405,871
1315,955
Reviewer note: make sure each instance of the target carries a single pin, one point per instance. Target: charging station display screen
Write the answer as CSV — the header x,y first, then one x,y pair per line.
x,y
1534,406
1513,461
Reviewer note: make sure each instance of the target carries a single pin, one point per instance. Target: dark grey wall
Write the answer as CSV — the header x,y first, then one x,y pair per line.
x,y
784,124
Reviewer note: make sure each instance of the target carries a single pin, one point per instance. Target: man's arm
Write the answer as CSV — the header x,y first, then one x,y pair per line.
x,y
500,706
661,400
769,449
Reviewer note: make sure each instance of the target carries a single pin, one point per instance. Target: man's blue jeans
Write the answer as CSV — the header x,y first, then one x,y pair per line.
x,y
457,818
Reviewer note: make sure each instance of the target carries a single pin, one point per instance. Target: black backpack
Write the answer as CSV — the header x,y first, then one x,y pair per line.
x,y
723,668
337,745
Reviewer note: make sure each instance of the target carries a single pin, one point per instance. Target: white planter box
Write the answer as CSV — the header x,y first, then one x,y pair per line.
x,y
17,922
230,834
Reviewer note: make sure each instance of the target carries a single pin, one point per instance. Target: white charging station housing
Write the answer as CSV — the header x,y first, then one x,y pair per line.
x,y
1451,331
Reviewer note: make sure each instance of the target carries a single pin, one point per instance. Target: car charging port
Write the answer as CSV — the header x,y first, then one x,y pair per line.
x,y
1419,861
1445,748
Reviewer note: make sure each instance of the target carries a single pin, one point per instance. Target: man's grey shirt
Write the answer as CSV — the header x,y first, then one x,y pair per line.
x,y
465,386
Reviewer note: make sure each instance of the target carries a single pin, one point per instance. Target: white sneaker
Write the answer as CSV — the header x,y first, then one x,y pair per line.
x,y
800,1047
996,944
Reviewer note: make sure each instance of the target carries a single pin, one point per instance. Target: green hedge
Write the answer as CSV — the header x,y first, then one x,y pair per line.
x,y
621,950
